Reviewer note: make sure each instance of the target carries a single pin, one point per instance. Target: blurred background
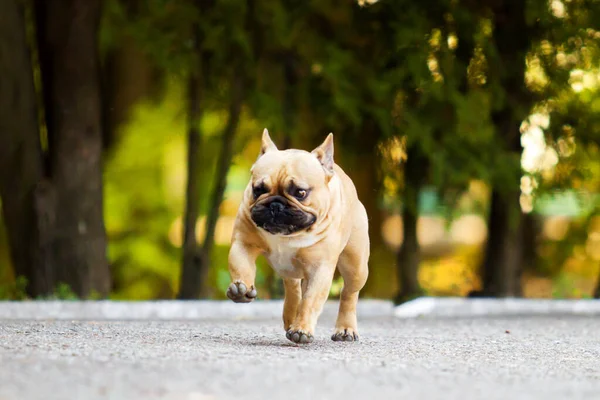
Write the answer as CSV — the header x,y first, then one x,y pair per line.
x,y
128,128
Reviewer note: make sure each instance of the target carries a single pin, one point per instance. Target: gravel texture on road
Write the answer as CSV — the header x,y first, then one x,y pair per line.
x,y
550,357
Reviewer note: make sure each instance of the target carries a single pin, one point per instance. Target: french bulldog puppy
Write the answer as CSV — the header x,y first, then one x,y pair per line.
x,y
301,211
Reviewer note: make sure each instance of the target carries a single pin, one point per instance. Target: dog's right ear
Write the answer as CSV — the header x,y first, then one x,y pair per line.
x,y
267,144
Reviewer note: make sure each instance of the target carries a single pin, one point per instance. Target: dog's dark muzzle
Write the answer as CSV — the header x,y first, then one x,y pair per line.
x,y
277,215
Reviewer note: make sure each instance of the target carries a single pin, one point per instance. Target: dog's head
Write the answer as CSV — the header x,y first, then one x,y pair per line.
x,y
288,191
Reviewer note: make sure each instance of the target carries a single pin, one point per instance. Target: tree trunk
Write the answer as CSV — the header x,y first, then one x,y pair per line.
x,y
409,257
502,266
503,256
503,260
191,264
530,231
68,31
197,260
223,165
192,256
22,189
496,220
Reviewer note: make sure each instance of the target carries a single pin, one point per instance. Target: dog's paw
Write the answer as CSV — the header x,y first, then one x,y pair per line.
x,y
299,336
345,335
240,293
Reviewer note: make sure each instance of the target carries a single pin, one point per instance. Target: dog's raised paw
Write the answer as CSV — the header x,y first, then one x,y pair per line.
x,y
240,293
299,336
345,335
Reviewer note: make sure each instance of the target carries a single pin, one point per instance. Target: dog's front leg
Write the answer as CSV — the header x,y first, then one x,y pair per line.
x,y
291,302
315,291
242,269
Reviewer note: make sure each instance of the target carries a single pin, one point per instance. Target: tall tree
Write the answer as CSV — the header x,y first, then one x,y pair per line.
x,y
224,160
531,55
68,48
234,61
192,266
22,185
53,208
409,255
196,261
511,40
428,78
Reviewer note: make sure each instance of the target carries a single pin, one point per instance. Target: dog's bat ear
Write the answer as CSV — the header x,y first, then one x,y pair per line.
x,y
267,144
324,153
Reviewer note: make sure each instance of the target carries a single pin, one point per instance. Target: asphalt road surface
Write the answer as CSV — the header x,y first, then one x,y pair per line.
x,y
480,358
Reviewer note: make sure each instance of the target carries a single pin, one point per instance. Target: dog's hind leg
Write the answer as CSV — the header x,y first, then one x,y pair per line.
x,y
353,266
315,289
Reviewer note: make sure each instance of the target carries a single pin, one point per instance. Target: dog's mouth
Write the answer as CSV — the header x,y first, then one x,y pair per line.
x,y
279,229
278,217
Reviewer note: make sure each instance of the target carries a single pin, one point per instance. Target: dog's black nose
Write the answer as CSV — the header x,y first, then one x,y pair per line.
x,y
276,207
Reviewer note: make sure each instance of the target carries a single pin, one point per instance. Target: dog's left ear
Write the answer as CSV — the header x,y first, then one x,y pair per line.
x,y
324,154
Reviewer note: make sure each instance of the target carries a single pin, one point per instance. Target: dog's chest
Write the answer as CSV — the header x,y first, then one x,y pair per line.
x,y
281,259
282,255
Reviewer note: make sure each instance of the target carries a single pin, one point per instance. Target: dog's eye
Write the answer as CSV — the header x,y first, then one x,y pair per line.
x,y
300,194
259,190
